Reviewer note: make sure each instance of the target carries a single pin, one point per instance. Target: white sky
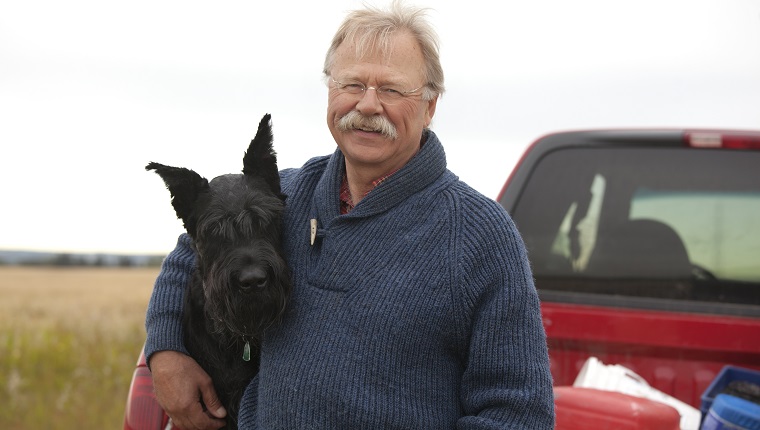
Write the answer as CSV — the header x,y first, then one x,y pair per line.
x,y
91,91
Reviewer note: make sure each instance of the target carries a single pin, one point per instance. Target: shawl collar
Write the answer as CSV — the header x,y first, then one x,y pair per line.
x,y
421,171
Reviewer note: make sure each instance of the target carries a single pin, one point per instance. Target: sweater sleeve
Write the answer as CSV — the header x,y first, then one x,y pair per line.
x,y
507,382
163,320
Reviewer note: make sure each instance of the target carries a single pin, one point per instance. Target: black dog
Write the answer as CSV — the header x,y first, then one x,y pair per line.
x,y
241,282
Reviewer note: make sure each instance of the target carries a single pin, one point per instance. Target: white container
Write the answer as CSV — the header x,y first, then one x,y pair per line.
x,y
614,377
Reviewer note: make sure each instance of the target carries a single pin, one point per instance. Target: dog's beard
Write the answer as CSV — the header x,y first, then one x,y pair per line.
x,y
243,315
354,120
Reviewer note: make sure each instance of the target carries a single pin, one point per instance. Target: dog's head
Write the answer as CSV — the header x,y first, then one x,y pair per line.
x,y
235,223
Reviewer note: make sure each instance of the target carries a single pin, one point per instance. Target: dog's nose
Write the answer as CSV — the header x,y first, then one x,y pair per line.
x,y
253,278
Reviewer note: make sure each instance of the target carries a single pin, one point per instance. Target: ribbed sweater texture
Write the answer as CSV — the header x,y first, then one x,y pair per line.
x,y
416,310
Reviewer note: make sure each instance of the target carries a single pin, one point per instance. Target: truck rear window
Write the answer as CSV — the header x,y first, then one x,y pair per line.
x,y
646,222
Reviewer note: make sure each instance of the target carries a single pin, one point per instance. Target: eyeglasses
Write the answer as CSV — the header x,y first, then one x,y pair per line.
x,y
387,94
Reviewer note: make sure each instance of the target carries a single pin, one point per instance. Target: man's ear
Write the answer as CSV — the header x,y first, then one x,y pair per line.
x,y
430,111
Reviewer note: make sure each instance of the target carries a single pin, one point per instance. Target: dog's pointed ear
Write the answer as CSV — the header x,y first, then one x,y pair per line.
x,y
260,159
185,187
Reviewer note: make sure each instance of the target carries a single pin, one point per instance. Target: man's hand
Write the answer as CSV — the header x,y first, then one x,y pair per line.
x,y
183,388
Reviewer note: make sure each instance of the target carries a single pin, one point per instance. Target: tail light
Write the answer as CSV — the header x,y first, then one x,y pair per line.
x,y
143,411
729,140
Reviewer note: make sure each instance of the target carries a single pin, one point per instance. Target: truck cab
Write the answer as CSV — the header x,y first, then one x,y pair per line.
x,y
645,247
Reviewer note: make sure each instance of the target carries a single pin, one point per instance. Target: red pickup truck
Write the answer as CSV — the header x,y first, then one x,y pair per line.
x,y
645,246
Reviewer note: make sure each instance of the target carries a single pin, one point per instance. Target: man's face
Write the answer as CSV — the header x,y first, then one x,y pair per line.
x,y
402,68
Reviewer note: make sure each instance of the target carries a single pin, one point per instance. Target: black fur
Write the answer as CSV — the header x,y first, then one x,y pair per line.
x,y
241,282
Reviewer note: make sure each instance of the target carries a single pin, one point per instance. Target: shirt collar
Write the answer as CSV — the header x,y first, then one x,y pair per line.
x,y
346,202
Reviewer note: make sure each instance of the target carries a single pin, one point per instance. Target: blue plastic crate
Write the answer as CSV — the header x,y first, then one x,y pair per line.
x,y
727,375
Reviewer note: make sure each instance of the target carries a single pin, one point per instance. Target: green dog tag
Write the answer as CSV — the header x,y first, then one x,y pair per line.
x,y
247,352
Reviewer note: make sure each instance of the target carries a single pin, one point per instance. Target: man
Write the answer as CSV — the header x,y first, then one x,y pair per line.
x,y
413,304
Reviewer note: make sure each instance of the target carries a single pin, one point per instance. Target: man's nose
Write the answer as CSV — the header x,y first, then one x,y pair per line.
x,y
369,104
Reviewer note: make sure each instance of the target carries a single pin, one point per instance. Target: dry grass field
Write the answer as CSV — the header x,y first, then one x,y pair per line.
x,y
69,340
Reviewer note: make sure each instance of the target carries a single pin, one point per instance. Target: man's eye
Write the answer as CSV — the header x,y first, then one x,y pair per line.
x,y
391,91
353,87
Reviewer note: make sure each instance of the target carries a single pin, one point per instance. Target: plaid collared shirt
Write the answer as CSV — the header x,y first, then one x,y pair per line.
x,y
346,202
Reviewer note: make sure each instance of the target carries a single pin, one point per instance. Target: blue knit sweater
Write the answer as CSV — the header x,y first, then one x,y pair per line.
x,y
416,310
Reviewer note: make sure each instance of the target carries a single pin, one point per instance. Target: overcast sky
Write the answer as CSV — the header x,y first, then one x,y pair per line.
x,y
91,91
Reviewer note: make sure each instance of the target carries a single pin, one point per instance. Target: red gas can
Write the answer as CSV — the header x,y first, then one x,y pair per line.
x,y
588,408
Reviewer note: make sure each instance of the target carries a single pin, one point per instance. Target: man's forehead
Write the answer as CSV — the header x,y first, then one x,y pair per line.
x,y
398,58
350,51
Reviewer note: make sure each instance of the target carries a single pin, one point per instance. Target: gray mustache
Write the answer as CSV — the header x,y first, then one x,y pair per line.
x,y
355,120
